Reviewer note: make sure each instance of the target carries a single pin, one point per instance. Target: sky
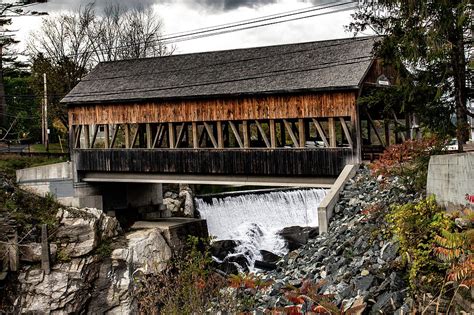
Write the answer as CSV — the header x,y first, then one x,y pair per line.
x,y
185,15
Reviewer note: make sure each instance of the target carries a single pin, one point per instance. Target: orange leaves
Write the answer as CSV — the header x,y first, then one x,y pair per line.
x,y
248,281
319,309
408,160
295,298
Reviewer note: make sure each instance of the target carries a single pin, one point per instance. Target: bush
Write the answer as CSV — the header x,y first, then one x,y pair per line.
x,y
409,161
416,226
187,285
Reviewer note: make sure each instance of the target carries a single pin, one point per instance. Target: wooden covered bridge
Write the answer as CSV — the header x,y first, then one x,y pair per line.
x,y
285,113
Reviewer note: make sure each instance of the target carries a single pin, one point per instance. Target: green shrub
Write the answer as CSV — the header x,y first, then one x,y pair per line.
x,y
416,226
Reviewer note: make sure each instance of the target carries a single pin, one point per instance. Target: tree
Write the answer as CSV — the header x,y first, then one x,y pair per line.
x,y
68,45
433,40
8,57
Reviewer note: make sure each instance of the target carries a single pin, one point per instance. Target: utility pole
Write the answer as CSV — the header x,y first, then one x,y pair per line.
x,y
45,114
12,9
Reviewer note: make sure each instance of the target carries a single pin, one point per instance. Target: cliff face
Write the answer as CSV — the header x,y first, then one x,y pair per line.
x,y
95,266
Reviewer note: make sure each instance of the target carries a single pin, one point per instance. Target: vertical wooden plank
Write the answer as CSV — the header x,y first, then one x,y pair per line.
x,y
282,134
14,253
301,132
245,131
45,263
386,125
106,136
195,135
171,135
332,133
148,136
220,135
272,133
126,129
87,138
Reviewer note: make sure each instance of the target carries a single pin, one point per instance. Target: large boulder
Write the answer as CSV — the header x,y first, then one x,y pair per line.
x,y
221,249
81,230
147,251
297,236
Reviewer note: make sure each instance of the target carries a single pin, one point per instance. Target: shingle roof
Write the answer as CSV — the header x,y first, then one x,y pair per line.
x,y
323,65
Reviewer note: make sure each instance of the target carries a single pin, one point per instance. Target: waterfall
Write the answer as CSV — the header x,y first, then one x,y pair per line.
x,y
255,219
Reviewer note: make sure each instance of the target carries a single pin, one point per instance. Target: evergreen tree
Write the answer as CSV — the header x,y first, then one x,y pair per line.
x,y
432,39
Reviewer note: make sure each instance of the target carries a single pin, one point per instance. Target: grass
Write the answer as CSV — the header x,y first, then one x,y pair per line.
x,y
53,148
9,163
26,208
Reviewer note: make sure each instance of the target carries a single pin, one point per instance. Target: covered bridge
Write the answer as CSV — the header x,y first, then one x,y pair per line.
x,y
287,111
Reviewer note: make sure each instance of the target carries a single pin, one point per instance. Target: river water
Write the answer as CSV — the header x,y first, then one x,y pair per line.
x,y
254,219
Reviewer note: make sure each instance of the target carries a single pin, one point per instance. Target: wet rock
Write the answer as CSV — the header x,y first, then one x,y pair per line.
x,y
269,256
240,260
222,249
263,265
297,236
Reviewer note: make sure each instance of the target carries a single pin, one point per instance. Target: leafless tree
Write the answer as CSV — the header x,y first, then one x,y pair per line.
x,y
86,37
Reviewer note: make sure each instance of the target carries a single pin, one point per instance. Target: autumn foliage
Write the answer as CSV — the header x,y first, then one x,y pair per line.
x,y
408,161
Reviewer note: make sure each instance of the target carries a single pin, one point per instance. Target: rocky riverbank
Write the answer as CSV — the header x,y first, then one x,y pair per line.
x,y
355,262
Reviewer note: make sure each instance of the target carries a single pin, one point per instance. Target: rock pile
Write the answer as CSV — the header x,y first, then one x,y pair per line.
x,y
353,262
180,204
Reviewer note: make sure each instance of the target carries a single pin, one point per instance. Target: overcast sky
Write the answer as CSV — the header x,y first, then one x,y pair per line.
x,y
184,15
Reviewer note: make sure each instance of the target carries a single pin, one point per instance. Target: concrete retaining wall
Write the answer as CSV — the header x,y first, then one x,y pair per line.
x,y
55,179
326,207
450,178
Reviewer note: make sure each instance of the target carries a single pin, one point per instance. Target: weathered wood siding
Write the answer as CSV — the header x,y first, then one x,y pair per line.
x,y
377,69
272,162
331,104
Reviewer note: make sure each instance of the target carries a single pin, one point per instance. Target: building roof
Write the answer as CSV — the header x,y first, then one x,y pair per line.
x,y
323,65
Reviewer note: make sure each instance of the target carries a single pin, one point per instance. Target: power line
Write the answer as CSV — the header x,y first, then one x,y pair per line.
x,y
218,30
264,19
300,11
254,26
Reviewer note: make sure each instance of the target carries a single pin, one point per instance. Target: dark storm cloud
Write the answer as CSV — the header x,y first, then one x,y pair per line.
x,y
212,5
55,5
227,5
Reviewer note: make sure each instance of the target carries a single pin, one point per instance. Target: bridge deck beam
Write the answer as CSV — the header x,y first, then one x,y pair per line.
x,y
321,182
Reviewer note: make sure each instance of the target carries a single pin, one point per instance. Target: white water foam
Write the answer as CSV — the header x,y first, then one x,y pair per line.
x,y
254,219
